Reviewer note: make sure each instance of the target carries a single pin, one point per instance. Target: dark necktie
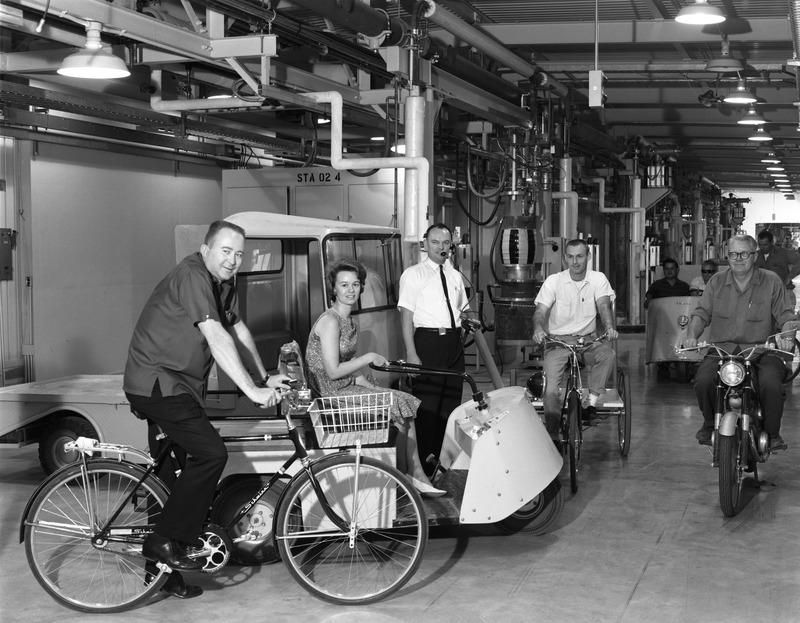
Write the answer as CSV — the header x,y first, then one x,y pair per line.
x,y
447,296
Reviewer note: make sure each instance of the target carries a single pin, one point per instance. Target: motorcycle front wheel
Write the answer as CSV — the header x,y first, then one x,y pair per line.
x,y
732,461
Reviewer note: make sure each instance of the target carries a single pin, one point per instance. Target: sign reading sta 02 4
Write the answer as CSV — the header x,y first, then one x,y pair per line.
x,y
322,177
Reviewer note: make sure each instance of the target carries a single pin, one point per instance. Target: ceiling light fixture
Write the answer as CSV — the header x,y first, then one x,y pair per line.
x,y
96,61
775,169
700,13
760,135
770,161
751,117
741,95
725,64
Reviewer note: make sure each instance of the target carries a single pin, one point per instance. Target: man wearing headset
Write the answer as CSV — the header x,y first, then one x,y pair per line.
x,y
432,297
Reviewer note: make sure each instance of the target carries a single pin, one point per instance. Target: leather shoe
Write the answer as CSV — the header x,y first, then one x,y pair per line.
x,y
162,549
703,436
177,587
426,489
777,443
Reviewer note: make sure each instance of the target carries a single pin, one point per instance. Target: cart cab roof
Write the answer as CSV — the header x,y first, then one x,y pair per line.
x,y
270,225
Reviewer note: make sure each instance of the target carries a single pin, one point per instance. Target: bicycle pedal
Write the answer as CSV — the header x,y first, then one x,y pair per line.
x,y
162,566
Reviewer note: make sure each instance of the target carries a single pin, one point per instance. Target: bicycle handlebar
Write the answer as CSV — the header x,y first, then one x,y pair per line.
x,y
770,345
581,345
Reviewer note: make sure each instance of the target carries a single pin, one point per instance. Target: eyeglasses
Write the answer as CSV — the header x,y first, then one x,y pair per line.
x,y
741,255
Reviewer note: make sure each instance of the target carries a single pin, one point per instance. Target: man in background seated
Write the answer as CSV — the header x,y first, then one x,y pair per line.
x,y
669,285
742,307
783,262
698,284
566,308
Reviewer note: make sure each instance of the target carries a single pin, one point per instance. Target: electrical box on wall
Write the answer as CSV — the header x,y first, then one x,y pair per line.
x,y
597,91
7,237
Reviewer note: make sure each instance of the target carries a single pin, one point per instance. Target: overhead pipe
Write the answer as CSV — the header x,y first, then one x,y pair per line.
x,y
359,17
490,46
416,178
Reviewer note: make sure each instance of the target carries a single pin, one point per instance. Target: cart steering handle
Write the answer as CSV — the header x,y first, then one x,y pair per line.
x,y
403,367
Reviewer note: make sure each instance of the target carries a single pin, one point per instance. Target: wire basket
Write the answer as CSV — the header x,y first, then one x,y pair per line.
x,y
341,421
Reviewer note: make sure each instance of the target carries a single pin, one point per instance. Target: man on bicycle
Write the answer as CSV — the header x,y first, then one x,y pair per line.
x,y
742,307
191,320
567,306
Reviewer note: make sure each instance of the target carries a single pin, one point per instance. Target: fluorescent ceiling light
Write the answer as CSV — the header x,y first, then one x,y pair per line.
x,y
96,61
770,161
775,169
700,13
376,138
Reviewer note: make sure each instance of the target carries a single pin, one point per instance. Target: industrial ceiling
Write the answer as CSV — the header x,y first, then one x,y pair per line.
x,y
659,97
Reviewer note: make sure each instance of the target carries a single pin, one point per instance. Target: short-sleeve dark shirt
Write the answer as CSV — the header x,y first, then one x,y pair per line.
x,y
661,288
166,345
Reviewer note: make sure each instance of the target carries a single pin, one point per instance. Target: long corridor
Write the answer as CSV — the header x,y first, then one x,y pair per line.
x,y
643,540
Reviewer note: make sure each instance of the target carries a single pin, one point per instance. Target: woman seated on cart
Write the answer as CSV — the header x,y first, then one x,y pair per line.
x,y
335,370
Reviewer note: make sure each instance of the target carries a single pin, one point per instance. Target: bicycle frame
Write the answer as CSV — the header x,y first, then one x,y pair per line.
x,y
86,449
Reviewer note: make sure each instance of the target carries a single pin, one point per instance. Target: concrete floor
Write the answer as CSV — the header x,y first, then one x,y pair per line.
x,y
642,540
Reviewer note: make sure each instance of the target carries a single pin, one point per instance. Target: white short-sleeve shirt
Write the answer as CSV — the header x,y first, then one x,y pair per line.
x,y
421,293
573,304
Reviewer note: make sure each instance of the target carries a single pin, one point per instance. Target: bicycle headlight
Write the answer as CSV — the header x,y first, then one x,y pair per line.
x,y
731,373
535,385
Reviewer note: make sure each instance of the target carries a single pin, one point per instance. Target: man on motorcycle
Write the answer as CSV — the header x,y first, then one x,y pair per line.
x,y
742,306
567,306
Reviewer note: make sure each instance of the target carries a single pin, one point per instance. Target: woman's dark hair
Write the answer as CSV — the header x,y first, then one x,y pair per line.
x,y
344,266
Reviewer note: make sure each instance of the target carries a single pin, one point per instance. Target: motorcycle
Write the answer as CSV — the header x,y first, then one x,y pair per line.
x,y
739,442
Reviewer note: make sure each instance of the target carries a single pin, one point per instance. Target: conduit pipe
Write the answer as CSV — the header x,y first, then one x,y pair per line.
x,y
415,215
601,197
484,43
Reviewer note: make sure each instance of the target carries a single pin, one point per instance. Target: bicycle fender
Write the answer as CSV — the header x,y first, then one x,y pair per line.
x,y
47,480
727,424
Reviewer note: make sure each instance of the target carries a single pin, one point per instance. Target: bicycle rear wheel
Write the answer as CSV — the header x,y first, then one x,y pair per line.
x,y
79,571
377,556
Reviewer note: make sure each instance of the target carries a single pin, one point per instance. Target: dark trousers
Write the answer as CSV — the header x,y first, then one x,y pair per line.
x,y
185,422
770,370
439,394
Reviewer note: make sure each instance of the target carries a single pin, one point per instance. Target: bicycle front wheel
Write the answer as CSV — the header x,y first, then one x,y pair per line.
x,y
76,565
381,550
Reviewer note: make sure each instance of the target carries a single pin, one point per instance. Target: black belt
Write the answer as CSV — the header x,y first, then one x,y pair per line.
x,y
437,331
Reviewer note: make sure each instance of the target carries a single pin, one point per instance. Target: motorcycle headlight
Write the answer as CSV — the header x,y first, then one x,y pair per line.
x,y
731,373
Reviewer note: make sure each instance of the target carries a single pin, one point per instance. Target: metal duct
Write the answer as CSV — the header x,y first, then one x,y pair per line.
x,y
359,17
484,43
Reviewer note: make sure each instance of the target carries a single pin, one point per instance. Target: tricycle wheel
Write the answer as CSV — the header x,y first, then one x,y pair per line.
x,y
538,515
574,438
624,418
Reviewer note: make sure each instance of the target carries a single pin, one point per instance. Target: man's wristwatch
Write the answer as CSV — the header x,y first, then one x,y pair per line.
x,y
263,382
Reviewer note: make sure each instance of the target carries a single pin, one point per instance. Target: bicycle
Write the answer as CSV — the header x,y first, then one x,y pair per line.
x,y
615,401
350,529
